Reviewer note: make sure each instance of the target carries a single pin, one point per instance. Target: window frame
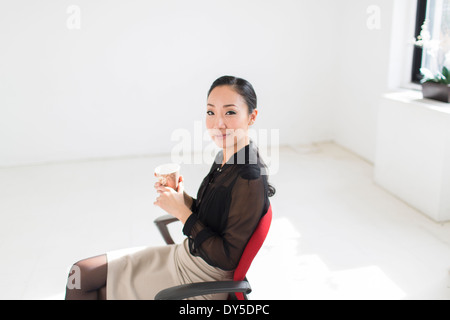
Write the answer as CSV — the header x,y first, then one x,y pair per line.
x,y
416,76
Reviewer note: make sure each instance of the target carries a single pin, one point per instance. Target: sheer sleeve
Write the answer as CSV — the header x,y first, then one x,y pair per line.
x,y
245,210
190,202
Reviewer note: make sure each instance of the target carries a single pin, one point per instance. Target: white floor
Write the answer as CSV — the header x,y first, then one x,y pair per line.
x,y
335,234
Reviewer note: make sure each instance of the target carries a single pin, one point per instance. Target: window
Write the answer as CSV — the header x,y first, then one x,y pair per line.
x,y
437,15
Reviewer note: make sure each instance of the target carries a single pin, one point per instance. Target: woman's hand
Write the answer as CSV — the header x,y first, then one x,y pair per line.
x,y
173,201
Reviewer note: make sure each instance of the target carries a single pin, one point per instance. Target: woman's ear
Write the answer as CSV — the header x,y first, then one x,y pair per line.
x,y
253,117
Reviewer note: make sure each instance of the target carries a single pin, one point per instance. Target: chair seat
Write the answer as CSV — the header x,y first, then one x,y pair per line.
x,y
239,286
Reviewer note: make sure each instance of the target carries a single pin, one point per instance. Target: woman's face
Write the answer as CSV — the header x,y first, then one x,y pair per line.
x,y
227,118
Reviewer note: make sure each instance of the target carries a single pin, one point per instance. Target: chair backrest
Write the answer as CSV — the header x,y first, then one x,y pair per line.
x,y
254,244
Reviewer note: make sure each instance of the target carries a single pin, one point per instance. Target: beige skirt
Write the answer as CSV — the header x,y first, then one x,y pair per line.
x,y
140,273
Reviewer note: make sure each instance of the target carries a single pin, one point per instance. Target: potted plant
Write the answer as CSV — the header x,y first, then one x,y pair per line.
x,y
436,79
436,86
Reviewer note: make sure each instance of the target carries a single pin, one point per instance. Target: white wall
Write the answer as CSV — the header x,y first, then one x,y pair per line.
x,y
137,70
372,61
364,61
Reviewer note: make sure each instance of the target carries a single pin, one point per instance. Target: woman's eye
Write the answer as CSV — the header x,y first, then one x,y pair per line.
x,y
209,113
231,112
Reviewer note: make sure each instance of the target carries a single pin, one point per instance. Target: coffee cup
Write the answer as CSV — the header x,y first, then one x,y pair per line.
x,y
168,174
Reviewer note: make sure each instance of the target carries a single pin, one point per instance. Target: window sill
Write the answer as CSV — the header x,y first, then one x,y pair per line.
x,y
415,98
412,159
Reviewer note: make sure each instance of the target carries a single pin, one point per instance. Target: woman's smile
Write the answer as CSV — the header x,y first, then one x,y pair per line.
x,y
222,135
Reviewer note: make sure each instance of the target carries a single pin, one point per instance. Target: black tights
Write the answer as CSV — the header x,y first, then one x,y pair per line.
x,y
87,279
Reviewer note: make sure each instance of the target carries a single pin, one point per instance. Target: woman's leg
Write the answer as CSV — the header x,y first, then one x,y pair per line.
x,y
87,279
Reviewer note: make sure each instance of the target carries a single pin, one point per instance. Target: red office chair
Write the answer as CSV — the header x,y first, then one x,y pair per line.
x,y
240,287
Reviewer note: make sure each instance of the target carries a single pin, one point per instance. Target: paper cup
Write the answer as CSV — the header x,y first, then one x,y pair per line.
x,y
168,174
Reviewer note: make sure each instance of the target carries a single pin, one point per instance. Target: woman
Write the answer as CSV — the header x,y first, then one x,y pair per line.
x,y
218,223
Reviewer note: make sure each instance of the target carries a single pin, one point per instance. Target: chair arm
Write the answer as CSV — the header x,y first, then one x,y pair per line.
x,y
203,288
161,223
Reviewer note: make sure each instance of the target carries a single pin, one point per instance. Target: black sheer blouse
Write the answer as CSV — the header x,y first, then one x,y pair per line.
x,y
230,202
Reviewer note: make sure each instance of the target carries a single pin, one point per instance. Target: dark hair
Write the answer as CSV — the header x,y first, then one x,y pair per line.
x,y
246,91
241,86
